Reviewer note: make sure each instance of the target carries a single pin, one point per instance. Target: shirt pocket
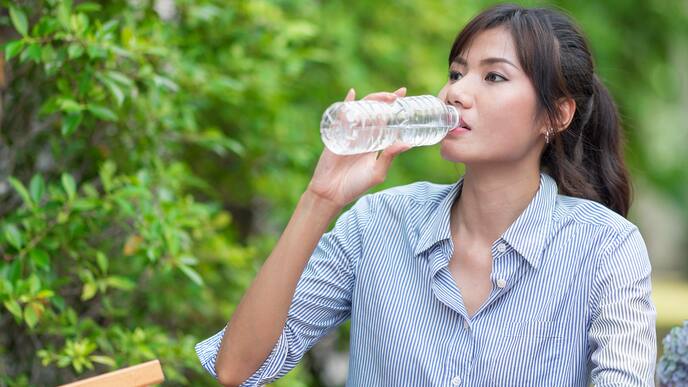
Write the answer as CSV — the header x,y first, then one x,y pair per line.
x,y
528,355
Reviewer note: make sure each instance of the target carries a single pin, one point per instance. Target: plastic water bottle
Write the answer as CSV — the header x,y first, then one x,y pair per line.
x,y
365,126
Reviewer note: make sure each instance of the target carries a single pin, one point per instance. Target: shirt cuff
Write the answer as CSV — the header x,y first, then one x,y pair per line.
x,y
268,372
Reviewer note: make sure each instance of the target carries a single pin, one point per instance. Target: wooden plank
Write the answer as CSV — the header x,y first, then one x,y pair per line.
x,y
143,374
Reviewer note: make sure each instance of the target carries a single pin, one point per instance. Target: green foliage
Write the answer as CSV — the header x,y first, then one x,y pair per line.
x,y
149,156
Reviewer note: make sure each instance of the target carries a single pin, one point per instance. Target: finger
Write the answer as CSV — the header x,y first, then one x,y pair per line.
x,y
384,159
382,96
350,95
400,92
395,149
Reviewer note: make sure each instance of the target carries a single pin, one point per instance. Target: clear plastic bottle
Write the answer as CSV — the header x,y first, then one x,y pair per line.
x,y
365,126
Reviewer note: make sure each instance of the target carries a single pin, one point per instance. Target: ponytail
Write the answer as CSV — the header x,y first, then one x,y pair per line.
x,y
587,158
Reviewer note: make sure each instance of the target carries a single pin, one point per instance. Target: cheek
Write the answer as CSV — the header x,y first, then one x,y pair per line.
x,y
513,113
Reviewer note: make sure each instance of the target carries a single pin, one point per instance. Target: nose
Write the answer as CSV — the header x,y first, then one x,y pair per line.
x,y
459,95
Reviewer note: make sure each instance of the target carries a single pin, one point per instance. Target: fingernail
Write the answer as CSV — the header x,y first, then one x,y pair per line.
x,y
350,92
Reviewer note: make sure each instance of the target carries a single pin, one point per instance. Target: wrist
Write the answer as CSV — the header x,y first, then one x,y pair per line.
x,y
320,204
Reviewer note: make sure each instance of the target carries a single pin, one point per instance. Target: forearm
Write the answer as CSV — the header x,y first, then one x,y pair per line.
x,y
260,316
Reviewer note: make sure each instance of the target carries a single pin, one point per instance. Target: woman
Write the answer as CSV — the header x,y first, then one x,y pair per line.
x,y
524,272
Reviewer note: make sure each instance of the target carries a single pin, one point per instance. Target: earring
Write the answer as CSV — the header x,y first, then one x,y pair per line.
x,y
548,135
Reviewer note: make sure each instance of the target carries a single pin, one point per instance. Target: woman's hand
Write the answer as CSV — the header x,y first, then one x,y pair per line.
x,y
342,179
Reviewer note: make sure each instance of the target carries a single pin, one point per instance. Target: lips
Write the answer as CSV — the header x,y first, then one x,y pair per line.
x,y
463,124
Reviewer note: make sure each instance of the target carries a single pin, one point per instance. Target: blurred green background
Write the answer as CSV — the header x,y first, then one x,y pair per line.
x,y
151,152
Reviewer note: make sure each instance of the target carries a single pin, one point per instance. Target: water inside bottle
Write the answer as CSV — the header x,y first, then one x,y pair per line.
x,y
368,126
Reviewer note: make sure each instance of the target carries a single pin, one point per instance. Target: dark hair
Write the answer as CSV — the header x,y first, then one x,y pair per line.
x,y
586,159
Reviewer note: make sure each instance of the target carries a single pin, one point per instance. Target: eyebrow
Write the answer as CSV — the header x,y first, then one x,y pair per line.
x,y
487,61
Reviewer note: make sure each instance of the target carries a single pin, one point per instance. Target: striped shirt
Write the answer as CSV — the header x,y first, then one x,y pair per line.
x,y
570,301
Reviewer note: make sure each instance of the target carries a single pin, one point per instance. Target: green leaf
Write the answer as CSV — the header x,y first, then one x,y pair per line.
x,y
33,52
69,185
48,53
12,49
188,260
102,261
119,282
37,187
45,293
14,308
40,258
115,90
75,50
80,23
192,274
34,284
63,361
106,172
88,7
70,106
58,302
15,271
95,52
51,105
120,78
19,20
102,112
21,190
164,82
88,291
70,123
30,316
14,236
64,11
77,365
108,27
86,204
103,360
62,217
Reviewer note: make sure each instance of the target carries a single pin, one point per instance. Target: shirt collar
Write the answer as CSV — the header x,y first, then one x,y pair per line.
x,y
436,226
527,235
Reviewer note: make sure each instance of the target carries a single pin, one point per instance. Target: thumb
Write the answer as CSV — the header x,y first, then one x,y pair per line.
x,y
350,95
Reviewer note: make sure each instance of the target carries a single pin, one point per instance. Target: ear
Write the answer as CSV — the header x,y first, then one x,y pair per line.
x,y
567,108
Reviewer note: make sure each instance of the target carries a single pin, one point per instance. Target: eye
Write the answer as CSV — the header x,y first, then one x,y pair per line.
x,y
494,77
455,75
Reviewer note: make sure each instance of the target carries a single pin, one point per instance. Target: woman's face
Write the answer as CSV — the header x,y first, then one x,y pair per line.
x,y
497,101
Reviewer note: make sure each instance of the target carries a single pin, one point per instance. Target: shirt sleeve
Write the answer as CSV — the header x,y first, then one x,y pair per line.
x,y
321,302
622,334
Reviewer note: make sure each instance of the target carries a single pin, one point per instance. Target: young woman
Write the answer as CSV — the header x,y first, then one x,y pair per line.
x,y
524,272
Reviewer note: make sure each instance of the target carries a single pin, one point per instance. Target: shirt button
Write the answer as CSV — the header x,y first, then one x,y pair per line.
x,y
501,247
501,283
456,381
465,324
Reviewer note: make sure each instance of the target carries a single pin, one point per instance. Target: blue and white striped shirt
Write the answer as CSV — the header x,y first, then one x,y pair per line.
x,y
570,301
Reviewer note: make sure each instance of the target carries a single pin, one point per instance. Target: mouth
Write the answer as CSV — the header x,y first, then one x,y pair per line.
x,y
463,127
463,124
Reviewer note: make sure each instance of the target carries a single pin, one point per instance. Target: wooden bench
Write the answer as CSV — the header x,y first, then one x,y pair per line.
x,y
140,375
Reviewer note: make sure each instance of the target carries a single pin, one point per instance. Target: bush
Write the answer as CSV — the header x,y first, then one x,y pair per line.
x,y
115,251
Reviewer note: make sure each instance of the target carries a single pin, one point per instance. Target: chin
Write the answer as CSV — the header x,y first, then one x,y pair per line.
x,y
450,153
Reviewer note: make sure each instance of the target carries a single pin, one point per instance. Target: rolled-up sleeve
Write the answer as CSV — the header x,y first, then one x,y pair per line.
x,y
321,302
622,334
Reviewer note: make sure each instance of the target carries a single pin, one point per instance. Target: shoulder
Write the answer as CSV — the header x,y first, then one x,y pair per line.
x,y
614,240
408,204
573,211
399,200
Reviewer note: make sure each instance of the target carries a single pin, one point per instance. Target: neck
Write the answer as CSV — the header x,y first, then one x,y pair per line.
x,y
491,200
